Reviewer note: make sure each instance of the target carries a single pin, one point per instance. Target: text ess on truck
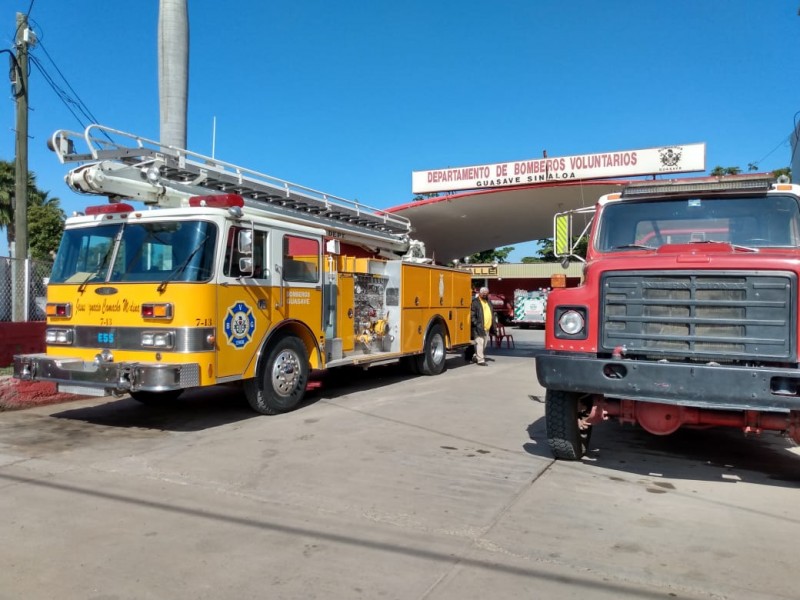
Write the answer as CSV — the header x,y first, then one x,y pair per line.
x,y
687,315
229,275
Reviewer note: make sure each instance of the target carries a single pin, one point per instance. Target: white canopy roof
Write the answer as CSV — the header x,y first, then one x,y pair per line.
x,y
454,226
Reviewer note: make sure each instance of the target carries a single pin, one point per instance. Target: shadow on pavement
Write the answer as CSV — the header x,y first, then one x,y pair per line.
x,y
711,454
195,410
206,408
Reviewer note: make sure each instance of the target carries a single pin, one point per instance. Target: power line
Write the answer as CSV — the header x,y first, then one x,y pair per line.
x,y
84,109
771,152
58,91
70,98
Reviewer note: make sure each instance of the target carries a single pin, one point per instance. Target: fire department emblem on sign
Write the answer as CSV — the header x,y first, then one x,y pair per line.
x,y
670,157
240,324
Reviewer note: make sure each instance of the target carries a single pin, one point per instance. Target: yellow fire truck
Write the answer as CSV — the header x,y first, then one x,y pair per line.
x,y
227,275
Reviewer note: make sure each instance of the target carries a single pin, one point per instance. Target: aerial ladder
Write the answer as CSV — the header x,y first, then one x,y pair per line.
x,y
167,177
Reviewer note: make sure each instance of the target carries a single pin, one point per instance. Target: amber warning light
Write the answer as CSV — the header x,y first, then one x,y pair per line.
x,y
157,311
58,310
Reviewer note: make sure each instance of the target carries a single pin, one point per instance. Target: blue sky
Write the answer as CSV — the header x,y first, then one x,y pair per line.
x,y
351,97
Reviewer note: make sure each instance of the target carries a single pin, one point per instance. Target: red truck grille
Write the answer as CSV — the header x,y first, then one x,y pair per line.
x,y
709,315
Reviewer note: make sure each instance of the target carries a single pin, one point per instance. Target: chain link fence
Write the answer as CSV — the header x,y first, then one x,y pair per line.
x,y
23,289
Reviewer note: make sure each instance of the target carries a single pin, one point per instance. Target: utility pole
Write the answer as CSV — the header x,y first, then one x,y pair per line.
x,y
23,39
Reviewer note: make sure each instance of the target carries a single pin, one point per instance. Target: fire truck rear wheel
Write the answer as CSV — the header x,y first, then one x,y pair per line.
x,y
156,398
567,432
283,380
432,361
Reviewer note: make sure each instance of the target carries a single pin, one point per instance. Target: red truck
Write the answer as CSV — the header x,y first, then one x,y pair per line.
x,y
502,308
687,315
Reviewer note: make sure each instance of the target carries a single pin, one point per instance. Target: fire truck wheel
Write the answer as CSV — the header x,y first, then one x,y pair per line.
x,y
156,398
567,432
432,360
283,379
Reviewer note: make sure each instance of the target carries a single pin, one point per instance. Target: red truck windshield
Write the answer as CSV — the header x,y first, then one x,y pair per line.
x,y
753,221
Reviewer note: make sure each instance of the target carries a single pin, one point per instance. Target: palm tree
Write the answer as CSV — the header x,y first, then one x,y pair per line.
x,y
7,193
37,197
720,171
7,184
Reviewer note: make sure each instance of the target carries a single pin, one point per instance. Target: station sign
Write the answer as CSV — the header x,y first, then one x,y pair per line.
x,y
686,158
481,269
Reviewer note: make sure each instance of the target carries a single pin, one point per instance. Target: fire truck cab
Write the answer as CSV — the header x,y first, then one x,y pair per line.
x,y
229,275
687,315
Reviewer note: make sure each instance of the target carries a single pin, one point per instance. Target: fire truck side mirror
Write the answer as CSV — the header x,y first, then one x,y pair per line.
x,y
244,242
561,234
332,247
246,265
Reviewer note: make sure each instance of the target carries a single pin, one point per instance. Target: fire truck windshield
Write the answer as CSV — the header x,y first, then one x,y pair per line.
x,y
136,252
753,222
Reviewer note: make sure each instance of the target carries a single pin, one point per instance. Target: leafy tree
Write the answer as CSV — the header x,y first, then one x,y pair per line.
x,y
498,255
720,171
7,184
420,197
45,226
45,217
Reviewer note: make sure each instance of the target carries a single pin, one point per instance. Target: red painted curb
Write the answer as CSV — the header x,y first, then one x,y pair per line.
x,y
16,394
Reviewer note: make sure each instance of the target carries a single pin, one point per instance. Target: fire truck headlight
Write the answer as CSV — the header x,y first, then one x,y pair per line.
x,y
163,340
62,337
571,322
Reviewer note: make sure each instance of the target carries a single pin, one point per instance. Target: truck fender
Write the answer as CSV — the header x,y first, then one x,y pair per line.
x,y
294,328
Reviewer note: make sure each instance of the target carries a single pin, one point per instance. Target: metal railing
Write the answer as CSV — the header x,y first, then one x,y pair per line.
x,y
23,289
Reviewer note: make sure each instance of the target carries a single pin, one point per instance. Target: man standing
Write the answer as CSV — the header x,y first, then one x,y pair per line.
x,y
482,323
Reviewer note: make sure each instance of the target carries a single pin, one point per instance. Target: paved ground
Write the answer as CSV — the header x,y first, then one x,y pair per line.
x,y
386,487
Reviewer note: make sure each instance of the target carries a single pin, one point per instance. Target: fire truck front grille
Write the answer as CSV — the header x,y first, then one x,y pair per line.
x,y
711,315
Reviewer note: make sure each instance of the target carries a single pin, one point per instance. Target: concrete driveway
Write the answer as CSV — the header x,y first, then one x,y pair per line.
x,y
385,486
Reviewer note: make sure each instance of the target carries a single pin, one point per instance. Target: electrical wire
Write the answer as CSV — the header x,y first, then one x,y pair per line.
x,y
68,102
69,99
84,109
782,142
771,152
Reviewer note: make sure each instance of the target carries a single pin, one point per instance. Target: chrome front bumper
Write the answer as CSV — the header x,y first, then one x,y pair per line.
x,y
76,376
